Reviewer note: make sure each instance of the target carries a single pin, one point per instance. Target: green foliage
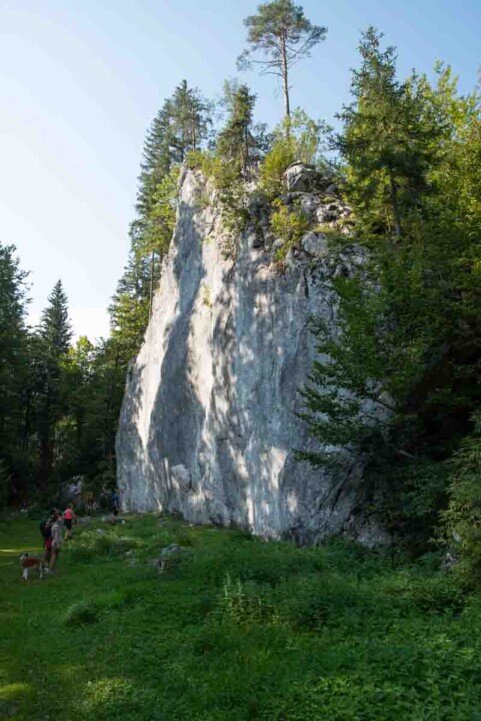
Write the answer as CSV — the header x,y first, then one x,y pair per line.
x,y
159,224
302,144
4,487
92,544
14,365
409,499
54,336
150,240
231,193
181,126
289,225
87,611
184,537
462,518
245,604
436,594
390,140
130,307
397,385
80,613
279,157
241,630
190,120
236,141
282,35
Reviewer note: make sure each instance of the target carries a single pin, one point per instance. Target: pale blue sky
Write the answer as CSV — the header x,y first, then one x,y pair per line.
x,y
82,79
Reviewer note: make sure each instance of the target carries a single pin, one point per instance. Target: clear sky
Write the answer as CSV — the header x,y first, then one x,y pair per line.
x,y
82,79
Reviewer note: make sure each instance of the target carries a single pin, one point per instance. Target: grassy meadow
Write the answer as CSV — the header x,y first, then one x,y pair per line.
x,y
236,630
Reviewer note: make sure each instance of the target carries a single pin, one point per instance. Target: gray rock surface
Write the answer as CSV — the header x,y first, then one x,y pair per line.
x,y
314,243
208,424
300,177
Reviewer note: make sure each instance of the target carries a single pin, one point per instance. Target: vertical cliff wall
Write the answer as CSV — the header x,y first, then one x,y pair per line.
x,y
208,423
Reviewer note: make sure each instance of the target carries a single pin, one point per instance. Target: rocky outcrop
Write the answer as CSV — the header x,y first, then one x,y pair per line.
x,y
303,178
208,425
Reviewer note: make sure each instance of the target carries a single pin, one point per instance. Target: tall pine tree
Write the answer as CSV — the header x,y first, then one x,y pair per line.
x,y
282,35
13,362
54,335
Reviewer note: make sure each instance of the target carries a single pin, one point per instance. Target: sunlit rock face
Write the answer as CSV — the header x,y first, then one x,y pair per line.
x,y
208,425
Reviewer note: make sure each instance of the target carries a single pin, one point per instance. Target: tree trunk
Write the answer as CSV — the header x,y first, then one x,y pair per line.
x,y
245,153
25,432
45,443
46,460
152,261
194,134
285,82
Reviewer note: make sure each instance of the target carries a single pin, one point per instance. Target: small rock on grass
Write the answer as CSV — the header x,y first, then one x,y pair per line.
x,y
167,556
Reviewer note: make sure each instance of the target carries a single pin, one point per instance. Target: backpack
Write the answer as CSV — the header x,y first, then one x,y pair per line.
x,y
45,529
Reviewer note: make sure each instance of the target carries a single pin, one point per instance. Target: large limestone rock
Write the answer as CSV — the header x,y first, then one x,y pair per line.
x,y
300,177
208,425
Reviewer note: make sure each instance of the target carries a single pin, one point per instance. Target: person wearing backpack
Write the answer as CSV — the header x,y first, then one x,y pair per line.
x,y
46,531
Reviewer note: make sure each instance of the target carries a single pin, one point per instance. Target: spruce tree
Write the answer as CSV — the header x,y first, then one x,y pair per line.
x,y
181,125
13,358
129,309
398,382
157,158
236,141
191,120
388,141
54,335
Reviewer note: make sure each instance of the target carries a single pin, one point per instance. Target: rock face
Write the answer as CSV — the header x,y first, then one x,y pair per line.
x,y
208,424
302,178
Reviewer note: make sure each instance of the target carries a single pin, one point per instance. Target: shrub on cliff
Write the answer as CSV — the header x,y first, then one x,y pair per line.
x,y
289,225
303,143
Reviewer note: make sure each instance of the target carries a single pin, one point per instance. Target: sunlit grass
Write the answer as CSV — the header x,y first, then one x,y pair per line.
x,y
236,630
13,690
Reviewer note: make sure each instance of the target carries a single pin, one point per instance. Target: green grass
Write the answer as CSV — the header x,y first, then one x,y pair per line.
x,y
236,630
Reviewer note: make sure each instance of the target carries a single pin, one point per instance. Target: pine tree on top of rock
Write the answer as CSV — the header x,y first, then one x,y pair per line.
x,y
282,35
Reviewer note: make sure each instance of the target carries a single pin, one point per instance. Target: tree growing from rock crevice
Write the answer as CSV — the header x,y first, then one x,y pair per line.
x,y
278,36
236,141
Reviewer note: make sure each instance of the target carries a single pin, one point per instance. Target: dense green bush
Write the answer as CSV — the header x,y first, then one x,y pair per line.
x,y
80,613
297,139
289,225
435,594
462,519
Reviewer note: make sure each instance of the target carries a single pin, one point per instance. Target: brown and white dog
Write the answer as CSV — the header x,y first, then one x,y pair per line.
x,y
30,562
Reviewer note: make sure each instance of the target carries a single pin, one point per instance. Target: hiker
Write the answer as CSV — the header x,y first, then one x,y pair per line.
x,y
46,531
68,518
56,530
115,503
